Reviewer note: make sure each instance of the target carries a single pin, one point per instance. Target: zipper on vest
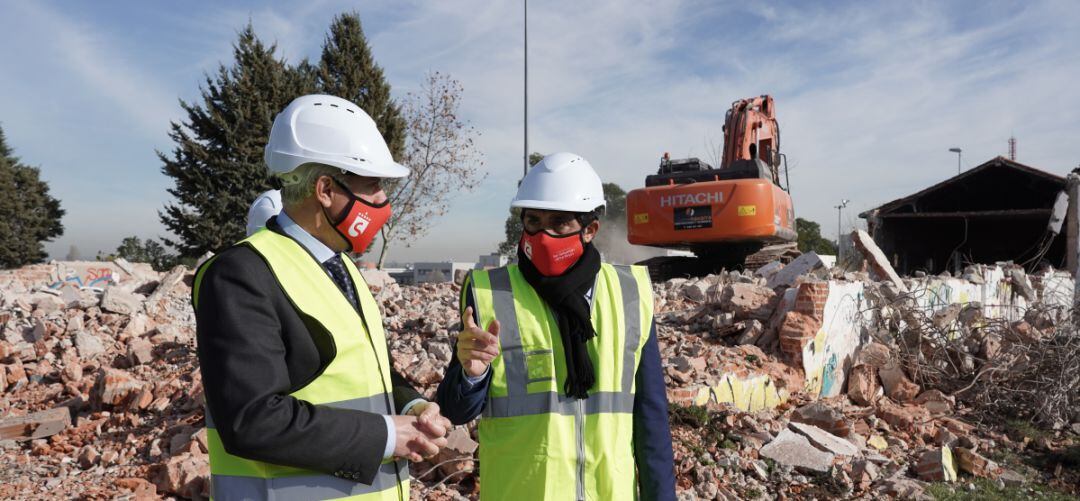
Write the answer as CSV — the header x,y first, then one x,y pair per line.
x,y
579,425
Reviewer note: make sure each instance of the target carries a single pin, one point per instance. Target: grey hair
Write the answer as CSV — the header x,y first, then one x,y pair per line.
x,y
300,183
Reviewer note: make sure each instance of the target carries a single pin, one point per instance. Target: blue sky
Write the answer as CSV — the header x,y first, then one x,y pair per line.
x,y
870,95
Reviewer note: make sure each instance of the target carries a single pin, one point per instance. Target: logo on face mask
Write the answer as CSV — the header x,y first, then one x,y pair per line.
x,y
527,247
359,225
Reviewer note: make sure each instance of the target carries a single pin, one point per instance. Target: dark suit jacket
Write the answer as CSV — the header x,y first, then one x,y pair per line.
x,y
254,349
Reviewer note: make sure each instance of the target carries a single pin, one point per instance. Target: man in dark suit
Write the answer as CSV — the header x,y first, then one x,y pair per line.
x,y
302,401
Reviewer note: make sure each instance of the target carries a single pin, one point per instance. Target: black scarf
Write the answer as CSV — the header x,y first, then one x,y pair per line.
x,y
565,295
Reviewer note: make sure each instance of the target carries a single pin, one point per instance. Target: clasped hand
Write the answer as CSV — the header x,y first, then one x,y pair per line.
x,y
421,432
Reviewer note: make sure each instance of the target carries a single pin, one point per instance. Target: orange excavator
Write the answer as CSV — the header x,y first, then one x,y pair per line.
x,y
724,214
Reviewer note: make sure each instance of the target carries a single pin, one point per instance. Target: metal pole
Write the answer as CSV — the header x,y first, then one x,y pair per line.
x,y
525,160
958,152
839,232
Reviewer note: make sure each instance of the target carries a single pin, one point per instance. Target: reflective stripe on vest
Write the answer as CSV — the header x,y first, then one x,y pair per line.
x,y
358,378
536,443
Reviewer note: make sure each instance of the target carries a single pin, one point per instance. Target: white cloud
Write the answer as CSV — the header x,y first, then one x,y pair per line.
x,y
100,65
870,95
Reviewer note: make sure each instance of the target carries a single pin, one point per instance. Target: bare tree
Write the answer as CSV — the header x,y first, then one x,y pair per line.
x,y
441,152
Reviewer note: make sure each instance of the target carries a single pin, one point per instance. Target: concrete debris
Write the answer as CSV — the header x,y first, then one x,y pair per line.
x,y
164,287
186,475
902,488
803,265
749,301
37,425
116,300
777,388
936,402
89,345
879,264
794,450
974,463
936,465
823,416
824,440
863,387
897,385
1021,283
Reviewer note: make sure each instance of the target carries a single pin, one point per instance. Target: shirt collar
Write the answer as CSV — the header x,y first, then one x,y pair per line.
x,y
318,249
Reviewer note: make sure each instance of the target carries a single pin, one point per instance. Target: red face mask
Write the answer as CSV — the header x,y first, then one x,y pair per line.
x,y
552,254
361,220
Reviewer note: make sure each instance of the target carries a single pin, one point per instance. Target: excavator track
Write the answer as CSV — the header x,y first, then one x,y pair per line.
x,y
719,259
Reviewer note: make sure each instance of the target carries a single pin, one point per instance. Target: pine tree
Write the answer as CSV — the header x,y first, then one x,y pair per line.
x,y
28,214
348,70
217,164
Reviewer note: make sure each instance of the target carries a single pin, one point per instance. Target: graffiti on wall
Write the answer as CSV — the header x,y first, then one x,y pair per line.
x,y
843,330
749,394
84,277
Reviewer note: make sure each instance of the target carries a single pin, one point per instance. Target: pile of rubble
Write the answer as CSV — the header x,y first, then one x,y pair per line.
x,y
100,393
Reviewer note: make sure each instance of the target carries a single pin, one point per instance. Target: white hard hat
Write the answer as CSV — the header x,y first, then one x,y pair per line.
x,y
331,131
561,181
265,206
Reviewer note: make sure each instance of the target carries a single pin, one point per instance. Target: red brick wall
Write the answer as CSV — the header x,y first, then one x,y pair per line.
x,y
803,321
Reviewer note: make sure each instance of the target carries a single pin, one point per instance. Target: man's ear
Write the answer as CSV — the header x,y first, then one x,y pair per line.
x,y
590,231
324,191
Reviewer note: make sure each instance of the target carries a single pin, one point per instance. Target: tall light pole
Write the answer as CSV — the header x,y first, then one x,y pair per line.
x,y
958,152
525,160
839,228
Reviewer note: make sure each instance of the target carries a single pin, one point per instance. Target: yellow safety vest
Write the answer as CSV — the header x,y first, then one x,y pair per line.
x,y
357,378
535,442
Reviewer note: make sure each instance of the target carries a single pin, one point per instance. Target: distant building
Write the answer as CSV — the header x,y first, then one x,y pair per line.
x,y
403,275
998,211
444,271
493,260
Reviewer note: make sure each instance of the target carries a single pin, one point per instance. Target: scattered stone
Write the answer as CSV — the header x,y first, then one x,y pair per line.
x,y
165,286
879,264
792,449
823,416
897,385
863,473
140,351
696,290
88,457
802,265
902,417
184,475
141,488
936,402
34,426
749,301
116,300
936,465
115,387
89,345
824,440
975,464
902,488
863,387
1011,478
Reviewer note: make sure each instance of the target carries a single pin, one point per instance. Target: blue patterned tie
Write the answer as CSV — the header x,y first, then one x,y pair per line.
x,y
337,270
